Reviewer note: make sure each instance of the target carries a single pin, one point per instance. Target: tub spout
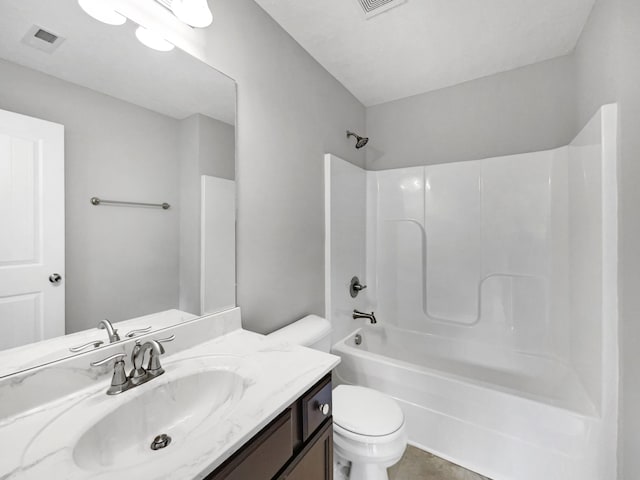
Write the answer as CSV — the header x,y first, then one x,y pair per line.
x,y
369,316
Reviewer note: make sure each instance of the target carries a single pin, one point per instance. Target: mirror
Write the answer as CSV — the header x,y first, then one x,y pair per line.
x,y
117,184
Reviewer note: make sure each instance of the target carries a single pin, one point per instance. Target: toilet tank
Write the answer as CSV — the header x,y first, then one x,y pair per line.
x,y
311,331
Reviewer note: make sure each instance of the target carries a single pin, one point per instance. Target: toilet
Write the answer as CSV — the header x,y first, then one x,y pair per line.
x,y
369,433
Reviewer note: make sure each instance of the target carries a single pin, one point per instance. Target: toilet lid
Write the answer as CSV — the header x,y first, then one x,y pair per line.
x,y
365,411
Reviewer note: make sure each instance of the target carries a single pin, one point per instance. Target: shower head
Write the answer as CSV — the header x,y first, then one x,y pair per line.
x,y
361,141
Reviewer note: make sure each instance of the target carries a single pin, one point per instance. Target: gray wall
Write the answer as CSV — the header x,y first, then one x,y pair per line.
x,y
121,262
217,144
596,60
290,113
630,235
207,147
523,110
189,249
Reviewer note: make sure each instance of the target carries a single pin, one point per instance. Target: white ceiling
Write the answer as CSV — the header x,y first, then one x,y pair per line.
x,y
426,45
110,60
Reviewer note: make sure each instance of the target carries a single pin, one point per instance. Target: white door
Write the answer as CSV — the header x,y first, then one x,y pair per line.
x,y
31,230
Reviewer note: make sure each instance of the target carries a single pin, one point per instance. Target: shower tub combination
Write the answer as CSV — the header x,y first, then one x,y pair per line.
x,y
507,416
497,331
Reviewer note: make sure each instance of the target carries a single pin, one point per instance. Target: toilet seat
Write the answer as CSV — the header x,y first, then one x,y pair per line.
x,y
368,440
360,412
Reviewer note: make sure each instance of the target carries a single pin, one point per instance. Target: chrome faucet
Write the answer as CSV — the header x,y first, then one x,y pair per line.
x,y
112,332
140,375
120,381
369,316
113,336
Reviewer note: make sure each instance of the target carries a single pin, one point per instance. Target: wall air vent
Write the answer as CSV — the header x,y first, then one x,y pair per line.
x,y
42,39
371,8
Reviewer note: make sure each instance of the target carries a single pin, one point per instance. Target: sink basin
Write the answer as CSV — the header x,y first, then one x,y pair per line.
x,y
102,433
123,437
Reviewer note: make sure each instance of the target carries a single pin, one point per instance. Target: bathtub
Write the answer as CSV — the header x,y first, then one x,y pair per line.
x,y
504,414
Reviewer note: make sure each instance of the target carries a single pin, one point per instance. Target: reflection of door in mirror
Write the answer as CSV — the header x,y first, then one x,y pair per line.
x,y
32,291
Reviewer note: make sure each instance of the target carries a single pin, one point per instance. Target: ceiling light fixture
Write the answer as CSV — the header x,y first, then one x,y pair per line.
x,y
99,10
152,40
193,12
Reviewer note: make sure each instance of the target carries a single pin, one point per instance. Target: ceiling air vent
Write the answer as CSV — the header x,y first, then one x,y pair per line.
x,y
44,40
46,36
371,8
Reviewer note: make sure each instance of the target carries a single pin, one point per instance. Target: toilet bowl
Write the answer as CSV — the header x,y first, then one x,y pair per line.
x,y
369,433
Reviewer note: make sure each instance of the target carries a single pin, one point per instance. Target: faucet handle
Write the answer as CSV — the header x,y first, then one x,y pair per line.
x,y
170,338
355,287
118,357
79,348
153,356
137,331
154,367
119,380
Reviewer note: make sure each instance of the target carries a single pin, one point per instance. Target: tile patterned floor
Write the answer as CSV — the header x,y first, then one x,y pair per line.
x,y
419,465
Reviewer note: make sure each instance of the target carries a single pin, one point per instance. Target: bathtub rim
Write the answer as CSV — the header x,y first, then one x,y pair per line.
x,y
341,346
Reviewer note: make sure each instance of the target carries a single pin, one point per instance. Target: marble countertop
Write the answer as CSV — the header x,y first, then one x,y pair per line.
x,y
39,443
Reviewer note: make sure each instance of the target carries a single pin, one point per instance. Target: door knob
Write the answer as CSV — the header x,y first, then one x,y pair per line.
x,y
55,278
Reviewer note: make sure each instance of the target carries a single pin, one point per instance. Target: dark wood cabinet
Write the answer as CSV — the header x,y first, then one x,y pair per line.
x,y
316,460
262,458
297,445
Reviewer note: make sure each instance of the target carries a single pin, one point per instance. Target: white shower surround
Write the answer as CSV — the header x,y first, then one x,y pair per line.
x,y
495,285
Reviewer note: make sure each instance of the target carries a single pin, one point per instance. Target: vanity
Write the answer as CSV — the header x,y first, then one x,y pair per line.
x,y
231,404
298,444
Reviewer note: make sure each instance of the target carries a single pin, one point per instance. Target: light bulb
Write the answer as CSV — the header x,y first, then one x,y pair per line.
x,y
152,40
101,11
193,12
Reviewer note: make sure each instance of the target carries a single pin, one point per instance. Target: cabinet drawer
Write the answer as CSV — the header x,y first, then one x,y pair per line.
x,y
264,456
312,403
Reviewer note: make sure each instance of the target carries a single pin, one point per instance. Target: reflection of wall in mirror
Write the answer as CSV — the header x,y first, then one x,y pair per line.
x,y
121,262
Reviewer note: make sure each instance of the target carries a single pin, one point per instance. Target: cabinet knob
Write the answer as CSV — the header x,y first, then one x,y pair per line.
x,y
324,409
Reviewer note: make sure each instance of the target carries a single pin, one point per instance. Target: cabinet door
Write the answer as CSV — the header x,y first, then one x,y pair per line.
x,y
263,456
315,462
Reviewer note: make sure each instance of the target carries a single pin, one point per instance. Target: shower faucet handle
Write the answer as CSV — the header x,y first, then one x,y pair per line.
x,y
356,287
